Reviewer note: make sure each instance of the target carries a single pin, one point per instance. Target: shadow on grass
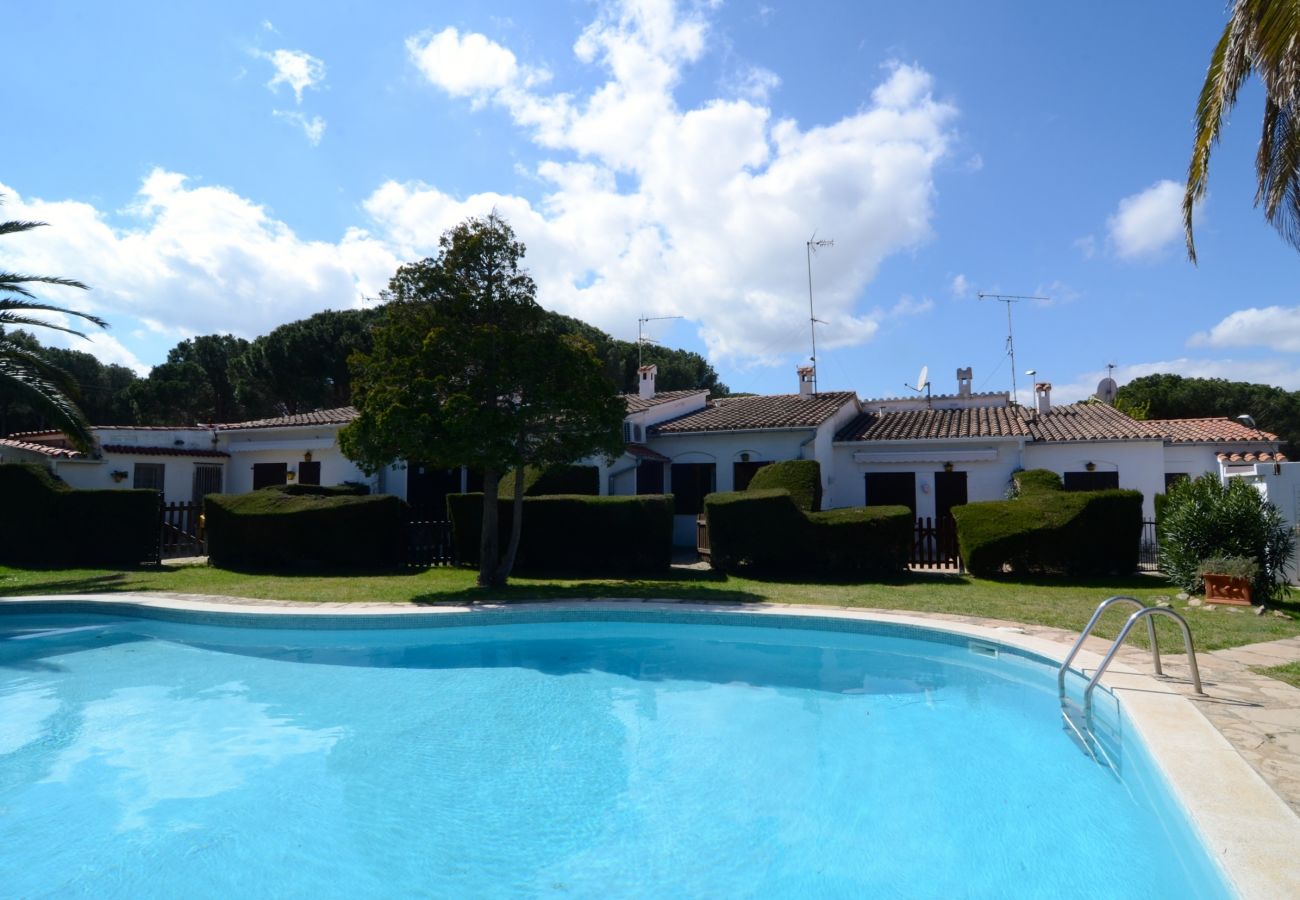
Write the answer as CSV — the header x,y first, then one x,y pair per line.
x,y
111,583
703,585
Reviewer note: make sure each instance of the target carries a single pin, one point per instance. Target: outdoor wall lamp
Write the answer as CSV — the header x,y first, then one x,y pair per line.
x,y
744,457
306,457
1090,466
947,467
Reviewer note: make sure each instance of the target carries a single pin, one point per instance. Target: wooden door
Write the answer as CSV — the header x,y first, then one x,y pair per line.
x,y
949,491
265,474
891,489
308,472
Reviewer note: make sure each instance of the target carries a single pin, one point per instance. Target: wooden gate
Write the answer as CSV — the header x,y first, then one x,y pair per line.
x,y
427,541
181,530
934,545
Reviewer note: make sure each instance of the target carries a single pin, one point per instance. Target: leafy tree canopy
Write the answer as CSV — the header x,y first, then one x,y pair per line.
x,y
467,369
1176,397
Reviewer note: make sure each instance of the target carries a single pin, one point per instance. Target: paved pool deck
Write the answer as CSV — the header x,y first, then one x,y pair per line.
x,y
1232,757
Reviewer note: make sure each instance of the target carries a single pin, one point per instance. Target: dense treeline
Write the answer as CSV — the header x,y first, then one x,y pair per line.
x,y
1176,397
297,367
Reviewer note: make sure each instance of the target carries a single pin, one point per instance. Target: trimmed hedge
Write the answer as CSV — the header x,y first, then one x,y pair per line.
x,y
765,530
347,489
574,533
1047,530
290,529
550,481
801,477
45,522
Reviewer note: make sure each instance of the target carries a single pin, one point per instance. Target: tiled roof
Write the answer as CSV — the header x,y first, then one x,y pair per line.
x,y
641,451
1251,457
44,449
922,424
161,451
340,416
1089,422
636,404
1221,430
54,432
746,413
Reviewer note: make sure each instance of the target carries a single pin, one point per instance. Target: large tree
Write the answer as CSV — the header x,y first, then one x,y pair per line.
x,y
465,370
25,375
1262,37
1176,397
193,385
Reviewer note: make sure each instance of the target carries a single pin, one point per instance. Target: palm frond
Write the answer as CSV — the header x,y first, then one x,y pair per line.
x,y
17,226
13,282
14,312
47,389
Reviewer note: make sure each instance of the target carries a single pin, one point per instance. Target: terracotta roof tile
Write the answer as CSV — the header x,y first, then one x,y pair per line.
x,y
1248,457
340,416
926,424
747,413
43,449
161,451
641,451
1089,422
1220,430
636,404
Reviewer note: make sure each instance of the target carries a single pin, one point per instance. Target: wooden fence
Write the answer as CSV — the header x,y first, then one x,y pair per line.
x,y
427,541
180,530
934,544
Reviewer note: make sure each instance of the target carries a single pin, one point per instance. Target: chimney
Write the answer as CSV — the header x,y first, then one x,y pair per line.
x,y
1043,391
807,379
963,382
646,388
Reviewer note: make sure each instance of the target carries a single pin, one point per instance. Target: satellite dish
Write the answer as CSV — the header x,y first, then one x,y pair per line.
x,y
1107,390
923,379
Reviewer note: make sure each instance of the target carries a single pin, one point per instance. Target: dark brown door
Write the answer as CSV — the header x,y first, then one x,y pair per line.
x,y
949,491
265,474
1091,481
309,473
742,473
649,477
427,489
892,489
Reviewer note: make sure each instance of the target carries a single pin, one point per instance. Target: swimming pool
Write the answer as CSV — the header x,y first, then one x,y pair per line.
x,y
576,754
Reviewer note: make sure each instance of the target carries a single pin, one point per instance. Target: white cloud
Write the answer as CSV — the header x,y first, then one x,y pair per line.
x,y
961,286
908,305
754,83
1283,373
313,128
1087,245
720,197
297,69
1147,223
192,260
1274,327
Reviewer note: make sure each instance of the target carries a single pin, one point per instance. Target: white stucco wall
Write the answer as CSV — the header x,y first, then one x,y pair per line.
x,y
988,466
1141,464
178,472
335,468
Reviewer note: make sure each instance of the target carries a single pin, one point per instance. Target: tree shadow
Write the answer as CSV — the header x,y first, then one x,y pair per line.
x,y
111,583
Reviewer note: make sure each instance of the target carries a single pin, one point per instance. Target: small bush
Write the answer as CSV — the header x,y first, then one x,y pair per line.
x,y
766,531
1036,481
45,522
576,533
1049,531
293,529
1203,518
549,481
801,477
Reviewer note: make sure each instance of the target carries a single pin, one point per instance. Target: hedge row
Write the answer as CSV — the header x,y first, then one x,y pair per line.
x,y
45,522
546,481
766,531
573,533
1047,530
293,528
801,477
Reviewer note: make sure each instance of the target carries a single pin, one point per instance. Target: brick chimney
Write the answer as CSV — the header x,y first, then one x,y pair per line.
x,y
807,380
646,385
1043,393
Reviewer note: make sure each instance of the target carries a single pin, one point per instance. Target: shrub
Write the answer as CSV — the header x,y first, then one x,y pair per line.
x,y
1232,566
45,522
347,489
279,528
1049,531
575,533
801,477
1204,518
765,530
1036,481
552,480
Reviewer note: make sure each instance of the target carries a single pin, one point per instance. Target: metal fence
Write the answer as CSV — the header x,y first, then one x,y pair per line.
x,y
1149,548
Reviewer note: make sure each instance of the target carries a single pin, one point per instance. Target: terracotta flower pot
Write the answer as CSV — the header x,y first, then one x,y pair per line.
x,y
1227,589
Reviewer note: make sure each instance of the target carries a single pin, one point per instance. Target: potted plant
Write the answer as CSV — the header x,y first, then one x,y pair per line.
x,y
1228,579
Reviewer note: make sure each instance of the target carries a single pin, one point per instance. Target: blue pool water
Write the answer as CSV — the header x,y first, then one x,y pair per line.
x,y
141,758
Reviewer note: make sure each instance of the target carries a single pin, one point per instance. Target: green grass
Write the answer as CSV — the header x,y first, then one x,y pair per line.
x,y
1035,602
1290,673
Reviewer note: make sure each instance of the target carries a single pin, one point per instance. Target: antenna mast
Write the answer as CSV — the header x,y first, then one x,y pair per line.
x,y
641,339
1008,299
812,245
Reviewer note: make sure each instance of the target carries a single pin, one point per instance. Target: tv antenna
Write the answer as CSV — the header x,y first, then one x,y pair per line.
x,y
641,339
923,384
1008,299
813,245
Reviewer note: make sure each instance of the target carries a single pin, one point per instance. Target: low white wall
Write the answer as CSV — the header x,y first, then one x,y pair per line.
x,y
1140,464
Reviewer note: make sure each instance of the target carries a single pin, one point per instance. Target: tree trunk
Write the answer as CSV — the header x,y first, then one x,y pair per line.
x,y
488,546
516,526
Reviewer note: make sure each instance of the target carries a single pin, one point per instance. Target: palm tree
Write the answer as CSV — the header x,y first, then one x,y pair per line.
x,y
1262,37
46,388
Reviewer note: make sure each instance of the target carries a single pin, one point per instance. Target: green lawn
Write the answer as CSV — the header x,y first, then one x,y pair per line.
x,y
1290,673
1033,602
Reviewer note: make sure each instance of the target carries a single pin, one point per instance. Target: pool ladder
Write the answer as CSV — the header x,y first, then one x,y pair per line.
x,y
1079,719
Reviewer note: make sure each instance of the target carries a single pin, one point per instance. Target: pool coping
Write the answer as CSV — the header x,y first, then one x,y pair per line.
x,y
1245,827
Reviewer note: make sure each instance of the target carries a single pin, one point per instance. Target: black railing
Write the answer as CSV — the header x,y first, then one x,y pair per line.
x,y
1149,548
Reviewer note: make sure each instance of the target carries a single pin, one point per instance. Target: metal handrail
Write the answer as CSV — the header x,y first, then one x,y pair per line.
x,y
1083,636
1145,612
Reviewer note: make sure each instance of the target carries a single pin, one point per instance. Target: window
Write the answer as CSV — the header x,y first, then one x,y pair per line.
x,y
1172,478
650,477
148,476
207,480
265,474
308,472
691,482
1091,481
892,489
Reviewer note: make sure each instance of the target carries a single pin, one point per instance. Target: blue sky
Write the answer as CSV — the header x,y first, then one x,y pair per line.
x,y
213,168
